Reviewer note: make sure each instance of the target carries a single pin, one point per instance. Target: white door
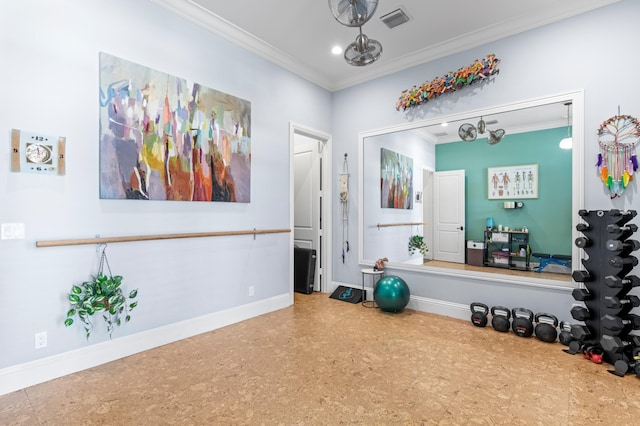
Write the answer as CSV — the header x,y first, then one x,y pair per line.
x,y
449,190
307,181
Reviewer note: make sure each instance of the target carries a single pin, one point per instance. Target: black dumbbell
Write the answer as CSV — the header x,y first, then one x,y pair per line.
x,y
580,332
479,312
626,213
582,227
580,313
565,336
617,325
617,245
581,294
581,276
616,228
501,318
546,327
613,344
619,262
623,367
615,303
616,282
583,242
522,324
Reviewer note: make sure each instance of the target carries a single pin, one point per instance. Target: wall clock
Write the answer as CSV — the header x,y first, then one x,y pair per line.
x,y
37,153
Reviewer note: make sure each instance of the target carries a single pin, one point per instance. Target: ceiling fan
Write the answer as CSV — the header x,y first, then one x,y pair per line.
x,y
355,13
468,132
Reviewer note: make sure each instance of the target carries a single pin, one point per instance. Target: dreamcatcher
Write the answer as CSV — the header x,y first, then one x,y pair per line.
x,y
617,159
344,200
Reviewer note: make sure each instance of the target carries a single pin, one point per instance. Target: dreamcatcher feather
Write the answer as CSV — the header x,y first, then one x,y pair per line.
x,y
617,161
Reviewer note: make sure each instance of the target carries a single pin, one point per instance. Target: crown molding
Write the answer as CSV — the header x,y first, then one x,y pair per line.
x,y
217,25
213,23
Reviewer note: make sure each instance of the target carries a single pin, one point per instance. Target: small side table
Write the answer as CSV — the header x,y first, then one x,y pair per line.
x,y
373,274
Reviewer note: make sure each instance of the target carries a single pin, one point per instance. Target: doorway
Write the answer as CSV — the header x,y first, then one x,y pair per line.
x,y
311,198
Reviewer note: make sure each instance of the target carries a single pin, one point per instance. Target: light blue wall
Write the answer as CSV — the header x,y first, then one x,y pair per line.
x,y
589,52
547,217
50,75
50,85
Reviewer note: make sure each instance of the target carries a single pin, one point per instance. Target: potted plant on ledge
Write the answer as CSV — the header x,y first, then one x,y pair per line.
x,y
416,243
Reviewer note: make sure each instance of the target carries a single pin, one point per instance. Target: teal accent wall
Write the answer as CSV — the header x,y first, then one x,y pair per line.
x,y
548,217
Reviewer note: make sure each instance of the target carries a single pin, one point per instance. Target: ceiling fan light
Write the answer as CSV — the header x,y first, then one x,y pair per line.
x,y
362,43
566,143
358,54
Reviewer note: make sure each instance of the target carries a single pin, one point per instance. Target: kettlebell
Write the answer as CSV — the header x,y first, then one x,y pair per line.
x,y
546,327
479,312
522,323
565,336
501,317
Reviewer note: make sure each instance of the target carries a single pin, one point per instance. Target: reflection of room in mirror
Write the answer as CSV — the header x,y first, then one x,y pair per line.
x,y
533,130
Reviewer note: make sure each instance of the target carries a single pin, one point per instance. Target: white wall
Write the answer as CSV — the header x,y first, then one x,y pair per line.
x,y
590,52
392,242
50,85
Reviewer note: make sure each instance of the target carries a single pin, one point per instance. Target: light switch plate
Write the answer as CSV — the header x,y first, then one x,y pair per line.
x,y
12,231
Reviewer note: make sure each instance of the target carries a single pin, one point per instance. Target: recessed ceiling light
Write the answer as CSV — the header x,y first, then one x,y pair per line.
x,y
336,50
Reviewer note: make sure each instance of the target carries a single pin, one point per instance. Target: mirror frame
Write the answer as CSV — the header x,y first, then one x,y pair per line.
x,y
577,188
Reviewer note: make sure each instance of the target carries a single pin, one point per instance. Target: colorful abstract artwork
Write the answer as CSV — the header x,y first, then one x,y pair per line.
x,y
396,180
617,160
450,82
162,138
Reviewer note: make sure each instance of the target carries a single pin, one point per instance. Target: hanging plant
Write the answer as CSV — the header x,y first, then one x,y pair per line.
x,y
102,295
416,243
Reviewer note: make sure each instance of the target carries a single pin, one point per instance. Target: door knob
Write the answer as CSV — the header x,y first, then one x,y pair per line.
x,y
461,228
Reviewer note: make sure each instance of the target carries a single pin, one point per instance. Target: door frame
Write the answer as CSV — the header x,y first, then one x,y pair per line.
x,y
327,201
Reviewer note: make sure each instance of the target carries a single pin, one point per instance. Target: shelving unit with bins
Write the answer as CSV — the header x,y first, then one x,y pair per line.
x,y
510,243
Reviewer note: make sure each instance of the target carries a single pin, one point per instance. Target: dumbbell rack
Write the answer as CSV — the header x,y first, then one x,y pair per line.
x,y
605,264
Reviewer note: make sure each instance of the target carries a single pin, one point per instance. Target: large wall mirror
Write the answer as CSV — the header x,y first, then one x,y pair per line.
x,y
448,179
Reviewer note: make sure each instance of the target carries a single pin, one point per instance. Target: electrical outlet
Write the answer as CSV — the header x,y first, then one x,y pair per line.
x,y
41,340
251,291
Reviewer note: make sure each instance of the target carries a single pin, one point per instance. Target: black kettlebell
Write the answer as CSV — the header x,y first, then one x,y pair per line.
x,y
479,312
501,317
546,327
522,323
565,335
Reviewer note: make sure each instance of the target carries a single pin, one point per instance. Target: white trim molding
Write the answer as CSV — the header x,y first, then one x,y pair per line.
x,y
31,373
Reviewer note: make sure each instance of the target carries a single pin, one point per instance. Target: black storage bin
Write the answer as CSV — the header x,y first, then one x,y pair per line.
x,y
304,269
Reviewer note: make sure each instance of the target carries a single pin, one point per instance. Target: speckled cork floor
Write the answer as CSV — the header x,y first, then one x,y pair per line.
x,y
327,362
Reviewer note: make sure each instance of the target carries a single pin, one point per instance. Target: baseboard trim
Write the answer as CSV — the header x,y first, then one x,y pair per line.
x,y
440,307
422,304
31,373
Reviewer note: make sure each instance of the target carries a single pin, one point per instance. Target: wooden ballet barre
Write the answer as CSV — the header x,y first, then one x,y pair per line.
x,y
386,225
106,240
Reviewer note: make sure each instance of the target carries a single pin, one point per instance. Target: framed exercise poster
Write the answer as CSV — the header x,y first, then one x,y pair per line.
x,y
508,182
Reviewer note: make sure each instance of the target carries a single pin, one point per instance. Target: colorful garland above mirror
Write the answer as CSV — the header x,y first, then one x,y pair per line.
x,y
450,82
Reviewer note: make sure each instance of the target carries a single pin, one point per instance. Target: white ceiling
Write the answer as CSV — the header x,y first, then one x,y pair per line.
x,y
299,34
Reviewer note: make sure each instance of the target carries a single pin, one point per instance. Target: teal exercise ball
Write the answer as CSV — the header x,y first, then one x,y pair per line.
x,y
391,294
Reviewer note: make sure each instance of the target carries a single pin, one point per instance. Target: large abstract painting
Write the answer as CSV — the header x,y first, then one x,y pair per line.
x,y
396,180
162,138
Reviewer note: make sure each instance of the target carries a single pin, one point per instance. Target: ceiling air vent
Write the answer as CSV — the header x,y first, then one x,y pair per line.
x,y
395,18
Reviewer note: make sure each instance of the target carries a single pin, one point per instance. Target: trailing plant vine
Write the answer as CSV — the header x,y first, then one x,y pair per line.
x,y
416,243
104,295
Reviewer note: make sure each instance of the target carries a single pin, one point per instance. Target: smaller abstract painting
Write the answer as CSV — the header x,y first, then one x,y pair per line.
x,y
513,182
396,180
